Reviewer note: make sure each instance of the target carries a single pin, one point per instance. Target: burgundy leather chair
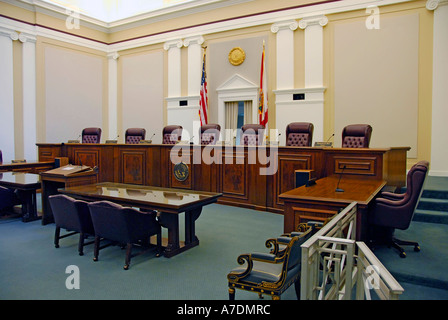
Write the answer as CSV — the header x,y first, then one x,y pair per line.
x,y
73,216
91,135
252,134
395,211
7,199
134,135
123,225
209,133
356,136
172,134
299,134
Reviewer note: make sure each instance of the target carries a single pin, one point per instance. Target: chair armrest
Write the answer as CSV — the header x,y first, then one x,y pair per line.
x,y
392,196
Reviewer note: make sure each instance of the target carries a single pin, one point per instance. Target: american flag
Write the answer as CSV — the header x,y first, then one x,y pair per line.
x,y
263,99
203,101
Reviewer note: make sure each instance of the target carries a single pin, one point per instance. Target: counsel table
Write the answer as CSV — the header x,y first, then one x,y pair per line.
x,y
27,183
321,201
170,203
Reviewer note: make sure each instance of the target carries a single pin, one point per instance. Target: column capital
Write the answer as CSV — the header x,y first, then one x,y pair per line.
x,y
24,37
321,20
284,25
113,55
13,35
434,4
193,40
173,44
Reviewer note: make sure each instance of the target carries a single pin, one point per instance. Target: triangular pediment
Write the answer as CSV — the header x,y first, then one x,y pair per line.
x,y
236,82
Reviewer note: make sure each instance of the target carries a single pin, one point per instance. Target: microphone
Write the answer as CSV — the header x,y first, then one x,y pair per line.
x,y
152,136
330,137
191,140
340,176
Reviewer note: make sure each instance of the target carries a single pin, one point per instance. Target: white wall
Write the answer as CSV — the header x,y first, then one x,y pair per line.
x,y
73,93
142,94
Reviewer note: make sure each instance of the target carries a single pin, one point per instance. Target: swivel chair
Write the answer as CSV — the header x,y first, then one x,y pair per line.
x,y
91,135
252,134
395,211
171,134
134,135
209,133
356,136
299,134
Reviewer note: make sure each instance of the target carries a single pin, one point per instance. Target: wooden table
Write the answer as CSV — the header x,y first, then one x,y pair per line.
x,y
321,201
27,184
169,202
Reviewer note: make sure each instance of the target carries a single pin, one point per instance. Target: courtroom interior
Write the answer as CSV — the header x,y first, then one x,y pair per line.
x,y
223,149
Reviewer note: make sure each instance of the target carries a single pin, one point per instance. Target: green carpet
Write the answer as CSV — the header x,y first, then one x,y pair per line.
x,y
33,269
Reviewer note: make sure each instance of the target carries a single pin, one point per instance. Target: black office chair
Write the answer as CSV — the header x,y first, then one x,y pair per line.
x,y
123,225
395,211
73,216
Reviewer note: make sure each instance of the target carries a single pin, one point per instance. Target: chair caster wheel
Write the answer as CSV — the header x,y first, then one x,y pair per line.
x,y
95,259
402,254
417,248
56,246
126,267
81,253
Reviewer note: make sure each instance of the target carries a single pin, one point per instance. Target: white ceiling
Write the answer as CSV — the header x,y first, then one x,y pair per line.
x,y
109,11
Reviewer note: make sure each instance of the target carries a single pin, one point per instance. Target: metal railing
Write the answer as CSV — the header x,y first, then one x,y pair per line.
x,y
335,266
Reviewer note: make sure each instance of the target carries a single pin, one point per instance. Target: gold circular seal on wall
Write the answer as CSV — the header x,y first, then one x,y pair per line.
x,y
181,171
237,56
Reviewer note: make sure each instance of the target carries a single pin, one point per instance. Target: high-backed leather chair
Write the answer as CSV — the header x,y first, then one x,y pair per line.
x,y
123,225
271,273
209,133
171,134
73,216
395,211
134,135
356,136
91,135
299,134
252,134
1,157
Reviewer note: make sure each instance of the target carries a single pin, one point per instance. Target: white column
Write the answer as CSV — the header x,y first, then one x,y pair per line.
x,y
285,53
313,49
194,64
112,96
174,67
29,95
439,137
7,143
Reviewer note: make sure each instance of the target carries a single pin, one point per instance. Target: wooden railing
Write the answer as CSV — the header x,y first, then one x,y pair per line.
x,y
337,267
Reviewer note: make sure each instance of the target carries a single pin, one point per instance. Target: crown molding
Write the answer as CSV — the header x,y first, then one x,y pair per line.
x,y
279,17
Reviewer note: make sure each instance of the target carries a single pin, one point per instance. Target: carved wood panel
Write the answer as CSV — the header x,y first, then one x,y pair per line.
x,y
133,167
235,176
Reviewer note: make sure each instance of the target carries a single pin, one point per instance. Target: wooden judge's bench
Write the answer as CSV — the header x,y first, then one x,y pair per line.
x,y
234,171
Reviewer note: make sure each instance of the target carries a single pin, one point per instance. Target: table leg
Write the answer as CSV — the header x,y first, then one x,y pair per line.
x,y
190,229
171,222
29,205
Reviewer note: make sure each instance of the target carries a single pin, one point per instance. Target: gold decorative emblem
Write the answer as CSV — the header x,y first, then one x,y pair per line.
x,y
181,171
237,56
